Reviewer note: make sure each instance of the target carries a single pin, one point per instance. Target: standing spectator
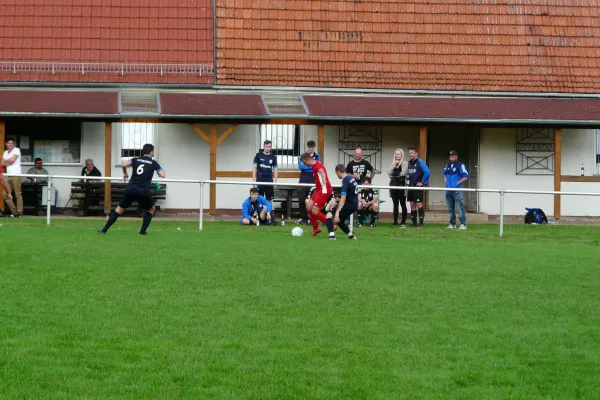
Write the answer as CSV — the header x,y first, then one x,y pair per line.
x,y
90,169
255,209
397,173
38,169
359,167
369,201
7,195
417,175
264,169
306,176
455,174
12,160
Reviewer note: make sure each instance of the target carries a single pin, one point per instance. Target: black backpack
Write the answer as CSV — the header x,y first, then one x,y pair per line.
x,y
535,216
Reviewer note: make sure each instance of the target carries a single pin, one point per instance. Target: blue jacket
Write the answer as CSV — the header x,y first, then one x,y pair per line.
x,y
455,173
247,209
306,175
417,172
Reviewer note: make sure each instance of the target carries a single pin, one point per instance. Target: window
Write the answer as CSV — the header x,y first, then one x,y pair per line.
x,y
286,143
54,141
133,136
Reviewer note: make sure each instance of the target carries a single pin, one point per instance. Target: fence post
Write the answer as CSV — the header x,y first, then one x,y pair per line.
x,y
201,204
501,213
49,202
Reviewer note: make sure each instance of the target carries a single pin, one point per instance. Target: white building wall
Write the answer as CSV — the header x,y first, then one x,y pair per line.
x,y
392,137
184,155
498,171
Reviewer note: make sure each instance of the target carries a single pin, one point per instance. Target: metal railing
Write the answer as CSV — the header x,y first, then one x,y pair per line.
x,y
15,67
201,183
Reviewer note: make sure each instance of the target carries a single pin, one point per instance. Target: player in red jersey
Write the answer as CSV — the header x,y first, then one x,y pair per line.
x,y
322,195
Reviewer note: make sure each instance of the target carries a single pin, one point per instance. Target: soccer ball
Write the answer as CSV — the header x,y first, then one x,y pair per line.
x,y
297,231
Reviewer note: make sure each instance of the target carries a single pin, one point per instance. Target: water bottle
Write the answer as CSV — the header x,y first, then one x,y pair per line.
x,y
282,220
582,170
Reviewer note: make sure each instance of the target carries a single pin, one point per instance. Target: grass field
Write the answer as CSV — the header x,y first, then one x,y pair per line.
x,y
252,313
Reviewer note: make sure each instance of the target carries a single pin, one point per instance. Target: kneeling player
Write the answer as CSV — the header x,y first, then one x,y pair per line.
x,y
369,201
138,188
348,202
256,209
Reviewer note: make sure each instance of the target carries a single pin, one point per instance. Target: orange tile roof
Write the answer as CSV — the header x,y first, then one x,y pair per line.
x,y
480,45
106,34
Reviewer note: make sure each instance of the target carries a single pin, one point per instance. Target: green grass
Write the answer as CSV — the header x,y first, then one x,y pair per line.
x,y
252,313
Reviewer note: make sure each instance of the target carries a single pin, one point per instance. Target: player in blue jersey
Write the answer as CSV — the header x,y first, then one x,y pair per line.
x,y
138,188
417,175
348,203
264,169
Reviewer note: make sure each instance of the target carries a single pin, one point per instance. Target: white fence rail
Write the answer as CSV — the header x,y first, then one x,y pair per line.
x,y
201,183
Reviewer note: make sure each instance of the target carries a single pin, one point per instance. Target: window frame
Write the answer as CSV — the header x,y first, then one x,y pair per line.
x,y
118,149
300,134
31,163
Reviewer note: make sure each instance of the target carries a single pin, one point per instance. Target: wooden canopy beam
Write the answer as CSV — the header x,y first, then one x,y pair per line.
x,y
213,140
200,133
557,170
225,134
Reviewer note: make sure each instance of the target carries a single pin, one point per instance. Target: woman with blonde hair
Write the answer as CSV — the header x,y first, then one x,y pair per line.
x,y
397,173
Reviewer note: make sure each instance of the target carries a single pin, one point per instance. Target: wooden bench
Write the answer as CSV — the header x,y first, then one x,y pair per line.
x,y
285,201
93,196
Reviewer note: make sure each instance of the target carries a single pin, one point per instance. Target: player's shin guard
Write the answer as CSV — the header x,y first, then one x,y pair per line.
x,y
344,227
413,216
321,217
111,220
314,222
374,217
146,222
421,215
329,223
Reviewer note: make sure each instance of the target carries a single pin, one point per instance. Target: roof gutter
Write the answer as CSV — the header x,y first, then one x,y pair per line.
x,y
333,119
298,89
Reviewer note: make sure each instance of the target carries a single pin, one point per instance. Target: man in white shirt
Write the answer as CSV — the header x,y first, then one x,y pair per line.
x,y
12,160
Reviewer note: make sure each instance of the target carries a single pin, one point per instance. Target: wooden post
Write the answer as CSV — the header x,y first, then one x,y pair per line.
x,y
423,143
557,170
2,140
213,169
321,142
423,156
213,141
107,166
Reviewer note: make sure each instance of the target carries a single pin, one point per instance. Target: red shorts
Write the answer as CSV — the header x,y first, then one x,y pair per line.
x,y
321,199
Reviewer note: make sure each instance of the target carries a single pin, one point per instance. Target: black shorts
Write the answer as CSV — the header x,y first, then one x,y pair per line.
x,y
345,213
415,196
144,199
266,191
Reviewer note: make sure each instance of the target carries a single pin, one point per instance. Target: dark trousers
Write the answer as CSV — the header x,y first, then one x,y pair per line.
x,y
398,197
302,195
